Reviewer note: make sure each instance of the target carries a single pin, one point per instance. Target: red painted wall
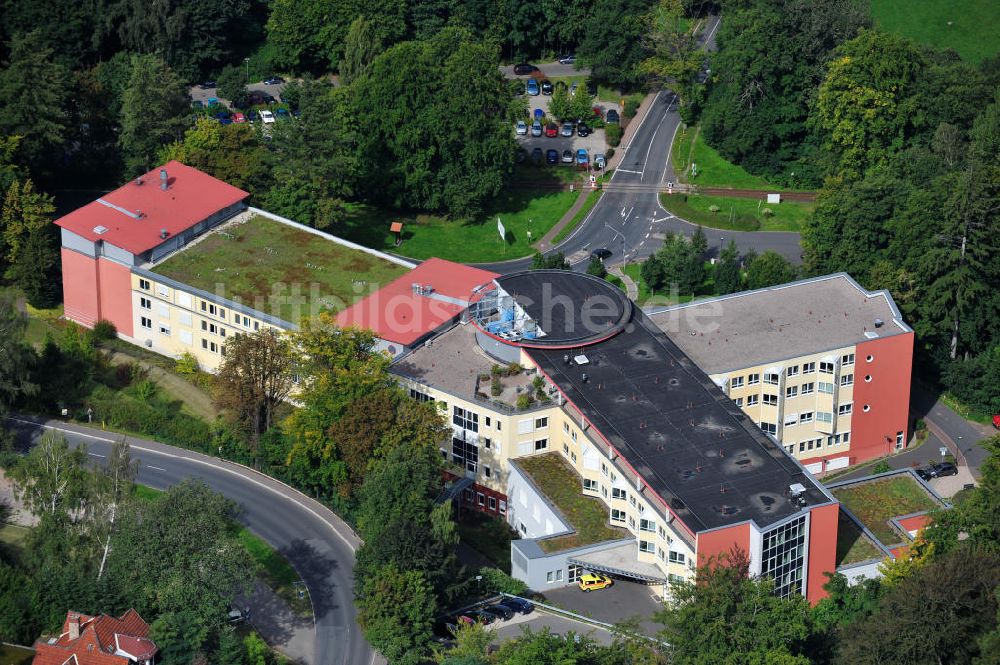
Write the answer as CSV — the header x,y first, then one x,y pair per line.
x,y
115,288
822,550
80,299
722,541
888,394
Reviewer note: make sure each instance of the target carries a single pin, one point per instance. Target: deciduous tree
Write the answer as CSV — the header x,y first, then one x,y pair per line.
x,y
51,479
768,269
396,611
153,105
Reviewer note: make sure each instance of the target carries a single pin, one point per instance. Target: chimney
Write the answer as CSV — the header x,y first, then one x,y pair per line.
x,y
163,179
164,233
74,626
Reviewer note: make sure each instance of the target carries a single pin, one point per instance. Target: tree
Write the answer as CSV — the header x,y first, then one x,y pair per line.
x,y
35,94
612,43
402,487
676,263
153,106
254,378
768,269
554,261
25,212
978,516
51,479
111,491
596,268
232,153
361,46
15,356
396,611
230,650
675,59
728,617
728,276
231,83
36,272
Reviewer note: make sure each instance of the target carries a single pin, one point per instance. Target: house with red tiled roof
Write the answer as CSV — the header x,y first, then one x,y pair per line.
x,y
98,640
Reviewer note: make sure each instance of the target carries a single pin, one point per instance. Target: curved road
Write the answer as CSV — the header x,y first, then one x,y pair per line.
x,y
629,220
318,544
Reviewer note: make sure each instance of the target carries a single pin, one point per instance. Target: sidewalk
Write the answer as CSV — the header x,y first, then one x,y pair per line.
x,y
630,287
281,628
546,243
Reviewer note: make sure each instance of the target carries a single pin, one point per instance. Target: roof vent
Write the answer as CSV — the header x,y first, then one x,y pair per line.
x,y
879,323
797,489
164,233
581,359
138,181
100,230
163,179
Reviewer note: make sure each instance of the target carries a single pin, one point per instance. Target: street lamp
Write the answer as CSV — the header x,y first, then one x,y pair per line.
x,y
616,232
247,61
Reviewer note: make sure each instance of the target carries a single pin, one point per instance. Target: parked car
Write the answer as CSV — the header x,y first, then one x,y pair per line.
x,y
567,157
521,128
197,104
273,80
521,155
546,87
582,129
612,116
283,114
266,117
599,161
551,156
593,581
536,128
567,129
572,89
591,87
538,114
552,130
938,470
996,421
518,605
523,69
567,59
533,87
207,85
582,158
270,99
499,611
213,101
239,117
536,156
600,253
481,617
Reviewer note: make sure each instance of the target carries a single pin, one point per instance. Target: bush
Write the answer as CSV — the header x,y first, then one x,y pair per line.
x,y
186,364
524,401
496,387
767,212
631,106
714,208
496,581
609,154
103,330
881,467
613,134
513,369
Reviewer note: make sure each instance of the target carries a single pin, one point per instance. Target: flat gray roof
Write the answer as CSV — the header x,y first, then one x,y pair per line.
x,y
778,323
449,362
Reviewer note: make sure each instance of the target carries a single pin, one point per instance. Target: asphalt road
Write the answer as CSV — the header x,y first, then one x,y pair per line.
x,y
629,220
318,544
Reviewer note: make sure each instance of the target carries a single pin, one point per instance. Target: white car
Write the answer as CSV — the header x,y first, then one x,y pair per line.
x,y
266,117
522,128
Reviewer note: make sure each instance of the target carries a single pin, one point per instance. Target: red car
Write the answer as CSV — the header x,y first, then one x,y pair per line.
x,y
239,117
552,130
996,421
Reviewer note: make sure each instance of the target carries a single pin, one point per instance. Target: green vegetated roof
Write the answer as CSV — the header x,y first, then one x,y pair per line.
x,y
560,483
875,502
279,269
853,546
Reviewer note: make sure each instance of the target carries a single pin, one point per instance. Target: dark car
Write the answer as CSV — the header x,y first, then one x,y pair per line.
x,y
523,68
567,59
938,470
479,617
283,114
551,156
551,130
521,155
207,85
197,104
273,80
567,157
518,605
546,87
536,155
591,87
600,253
269,99
499,611
582,129
612,116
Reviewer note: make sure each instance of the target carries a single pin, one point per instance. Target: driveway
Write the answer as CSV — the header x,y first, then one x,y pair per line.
x,y
960,435
621,601
558,625
547,70
199,95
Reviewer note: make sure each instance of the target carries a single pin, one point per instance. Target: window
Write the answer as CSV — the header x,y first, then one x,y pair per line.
x,y
617,515
845,409
541,423
790,449
791,419
541,444
420,396
769,428
739,402
824,417
480,499
737,382
847,359
631,500
146,323
676,557
660,554
487,471
807,388
604,491
770,400
573,455
487,421
559,575
618,493
465,419
492,502
550,577
825,387
145,303
676,579
753,379
144,284
631,522
647,525
213,347
806,417
791,391
868,378
847,380
573,573
646,546
792,371
222,314
503,507
752,400
899,440
808,368
164,329
565,449
868,359
604,468
465,453
589,485
866,408
771,379
802,446
846,437
565,427
573,435
783,555
204,343
826,368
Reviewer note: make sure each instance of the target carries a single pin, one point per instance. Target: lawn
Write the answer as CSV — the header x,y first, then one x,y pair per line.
x,y
874,503
279,269
852,545
970,28
581,214
737,214
710,168
10,655
587,515
490,536
647,297
12,537
475,241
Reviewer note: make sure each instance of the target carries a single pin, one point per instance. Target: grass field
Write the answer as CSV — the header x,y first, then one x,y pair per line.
x,y
475,241
852,545
972,28
580,215
489,536
587,515
710,168
875,503
737,214
15,655
278,269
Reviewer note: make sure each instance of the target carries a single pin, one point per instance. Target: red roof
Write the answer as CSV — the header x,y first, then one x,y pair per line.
x,y
134,214
915,523
100,638
397,313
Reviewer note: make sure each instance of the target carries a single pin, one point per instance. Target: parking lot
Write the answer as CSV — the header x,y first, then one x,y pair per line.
x,y
198,94
593,144
611,605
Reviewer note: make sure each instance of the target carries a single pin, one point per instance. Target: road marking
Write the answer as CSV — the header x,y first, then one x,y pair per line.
x,y
150,466
627,171
647,235
626,147
96,455
662,220
670,149
709,36
629,212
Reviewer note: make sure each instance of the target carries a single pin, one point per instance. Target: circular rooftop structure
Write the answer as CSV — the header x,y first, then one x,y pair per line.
x,y
549,309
